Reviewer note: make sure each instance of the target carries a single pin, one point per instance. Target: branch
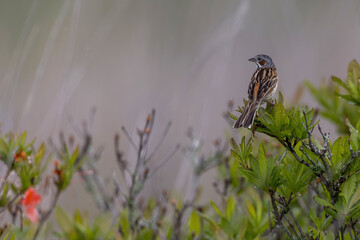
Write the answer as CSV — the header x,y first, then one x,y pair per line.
x,y
278,220
300,160
8,171
291,226
160,142
129,138
165,160
45,215
297,224
306,155
9,203
315,150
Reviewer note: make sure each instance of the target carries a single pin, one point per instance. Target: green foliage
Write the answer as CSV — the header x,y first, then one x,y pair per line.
x,y
283,123
239,219
24,161
262,171
351,85
79,227
333,164
278,182
344,108
67,167
296,177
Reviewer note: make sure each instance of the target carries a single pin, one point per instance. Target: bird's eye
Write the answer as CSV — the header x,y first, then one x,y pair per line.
x,y
258,59
262,62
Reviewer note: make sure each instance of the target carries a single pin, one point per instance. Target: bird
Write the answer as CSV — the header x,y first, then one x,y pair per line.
x,y
262,87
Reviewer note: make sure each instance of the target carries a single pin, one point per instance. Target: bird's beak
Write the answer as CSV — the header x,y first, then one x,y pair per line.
x,y
252,60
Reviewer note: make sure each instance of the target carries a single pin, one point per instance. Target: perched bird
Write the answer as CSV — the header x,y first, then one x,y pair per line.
x,y
262,87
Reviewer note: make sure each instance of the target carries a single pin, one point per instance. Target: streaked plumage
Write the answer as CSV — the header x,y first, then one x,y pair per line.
x,y
262,87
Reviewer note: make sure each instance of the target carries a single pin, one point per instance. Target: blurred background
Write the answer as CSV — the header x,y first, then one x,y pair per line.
x,y
185,58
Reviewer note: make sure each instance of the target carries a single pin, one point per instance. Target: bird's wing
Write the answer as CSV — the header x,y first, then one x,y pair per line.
x,y
262,84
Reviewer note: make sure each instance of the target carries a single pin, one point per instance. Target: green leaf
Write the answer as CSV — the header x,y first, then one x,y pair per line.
x,y
339,81
209,220
234,145
313,217
326,223
355,200
124,223
348,187
281,120
195,222
230,206
281,97
322,202
340,155
347,97
63,219
145,234
232,116
216,208
354,136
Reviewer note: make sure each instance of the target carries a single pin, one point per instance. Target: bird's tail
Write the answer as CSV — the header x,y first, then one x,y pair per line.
x,y
246,119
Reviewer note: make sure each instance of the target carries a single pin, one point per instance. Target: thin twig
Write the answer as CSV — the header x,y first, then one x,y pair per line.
x,y
326,140
278,220
141,154
296,223
8,171
306,155
45,215
165,160
291,226
129,138
118,186
302,161
160,142
10,202
315,150
353,228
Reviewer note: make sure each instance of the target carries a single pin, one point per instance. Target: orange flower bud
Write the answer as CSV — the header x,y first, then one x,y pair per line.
x,y
57,169
20,156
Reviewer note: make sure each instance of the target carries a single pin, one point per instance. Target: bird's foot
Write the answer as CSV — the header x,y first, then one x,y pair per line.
x,y
270,102
253,130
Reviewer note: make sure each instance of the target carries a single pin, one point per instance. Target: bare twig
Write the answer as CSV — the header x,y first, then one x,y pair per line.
x,y
11,201
297,224
306,155
302,161
278,220
160,142
353,228
321,154
122,163
45,215
8,171
129,138
343,177
165,160
326,140
291,226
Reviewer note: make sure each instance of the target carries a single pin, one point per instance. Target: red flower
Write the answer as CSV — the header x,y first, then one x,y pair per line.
x,y
30,201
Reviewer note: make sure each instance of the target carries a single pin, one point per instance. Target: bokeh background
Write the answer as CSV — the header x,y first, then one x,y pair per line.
x,y
185,58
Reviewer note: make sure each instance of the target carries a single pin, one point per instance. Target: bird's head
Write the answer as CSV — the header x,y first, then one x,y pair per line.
x,y
262,60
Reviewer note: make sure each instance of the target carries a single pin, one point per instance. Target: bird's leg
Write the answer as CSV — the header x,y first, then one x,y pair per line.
x,y
270,102
253,130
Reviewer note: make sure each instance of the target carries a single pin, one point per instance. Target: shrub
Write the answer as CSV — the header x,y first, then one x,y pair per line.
x,y
278,181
